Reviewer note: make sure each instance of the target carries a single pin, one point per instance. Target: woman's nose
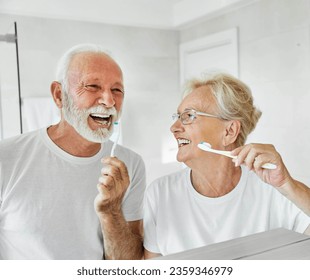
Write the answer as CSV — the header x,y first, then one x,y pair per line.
x,y
176,126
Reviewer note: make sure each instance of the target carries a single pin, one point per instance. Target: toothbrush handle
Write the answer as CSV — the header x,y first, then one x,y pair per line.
x,y
269,166
265,166
117,124
208,148
113,150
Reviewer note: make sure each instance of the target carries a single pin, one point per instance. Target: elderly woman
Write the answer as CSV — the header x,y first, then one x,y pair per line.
x,y
216,198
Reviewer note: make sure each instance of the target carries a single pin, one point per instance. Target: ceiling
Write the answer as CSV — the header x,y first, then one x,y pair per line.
x,y
163,14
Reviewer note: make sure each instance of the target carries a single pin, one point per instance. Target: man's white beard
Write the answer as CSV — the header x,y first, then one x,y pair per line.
x,y
78,118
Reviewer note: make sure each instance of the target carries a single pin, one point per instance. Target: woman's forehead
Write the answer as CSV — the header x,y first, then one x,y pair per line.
x,y
200,98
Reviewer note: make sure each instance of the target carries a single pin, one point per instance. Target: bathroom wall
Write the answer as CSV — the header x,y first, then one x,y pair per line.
x,y
274,60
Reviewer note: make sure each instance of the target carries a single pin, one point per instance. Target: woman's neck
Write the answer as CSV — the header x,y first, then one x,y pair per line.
x,y
216,181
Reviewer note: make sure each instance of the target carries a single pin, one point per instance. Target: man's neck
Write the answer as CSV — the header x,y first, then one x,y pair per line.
x,y
66,138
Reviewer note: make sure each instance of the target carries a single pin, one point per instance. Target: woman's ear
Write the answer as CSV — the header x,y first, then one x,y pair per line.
x,y
232,131
57,93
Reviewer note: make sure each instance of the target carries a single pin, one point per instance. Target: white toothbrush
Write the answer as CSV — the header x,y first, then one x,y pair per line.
x,y
117,124
207,147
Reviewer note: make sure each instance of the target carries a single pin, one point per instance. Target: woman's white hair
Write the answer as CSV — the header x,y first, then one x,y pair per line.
x,y
65,60
234,100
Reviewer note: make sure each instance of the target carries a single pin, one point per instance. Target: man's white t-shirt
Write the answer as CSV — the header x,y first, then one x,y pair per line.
x,y
178,218
47,198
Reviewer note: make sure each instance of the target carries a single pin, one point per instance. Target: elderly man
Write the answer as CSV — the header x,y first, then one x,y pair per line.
x,y
48,177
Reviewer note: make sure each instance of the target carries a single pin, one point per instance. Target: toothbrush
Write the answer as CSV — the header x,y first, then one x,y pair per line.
x,y
207,147
117,124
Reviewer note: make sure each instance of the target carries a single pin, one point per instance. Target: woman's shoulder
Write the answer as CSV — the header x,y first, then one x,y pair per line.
x,y
170,180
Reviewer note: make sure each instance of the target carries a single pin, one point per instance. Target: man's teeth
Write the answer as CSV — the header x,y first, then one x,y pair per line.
x,y
101,118
100,115
183,141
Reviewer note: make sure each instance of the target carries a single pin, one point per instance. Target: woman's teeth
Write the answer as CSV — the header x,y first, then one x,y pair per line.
x,y
182,142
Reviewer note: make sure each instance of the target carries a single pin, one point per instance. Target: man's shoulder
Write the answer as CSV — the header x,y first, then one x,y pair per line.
x,y
128,153
14,143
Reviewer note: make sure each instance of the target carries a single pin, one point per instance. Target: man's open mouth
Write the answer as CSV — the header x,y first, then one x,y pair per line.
x,y
102,119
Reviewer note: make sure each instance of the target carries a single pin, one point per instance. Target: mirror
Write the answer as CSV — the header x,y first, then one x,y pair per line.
x,y
10,97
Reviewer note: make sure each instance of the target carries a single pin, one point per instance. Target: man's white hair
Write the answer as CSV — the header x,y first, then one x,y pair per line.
x,y
65,60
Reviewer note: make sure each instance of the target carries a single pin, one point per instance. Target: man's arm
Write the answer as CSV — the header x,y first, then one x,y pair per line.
x,y
150,255
122,239
307,231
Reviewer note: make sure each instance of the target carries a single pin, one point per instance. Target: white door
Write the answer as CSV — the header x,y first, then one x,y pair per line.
x,y
216,52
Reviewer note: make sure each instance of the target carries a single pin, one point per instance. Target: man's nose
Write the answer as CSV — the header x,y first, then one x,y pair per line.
x,y
107,99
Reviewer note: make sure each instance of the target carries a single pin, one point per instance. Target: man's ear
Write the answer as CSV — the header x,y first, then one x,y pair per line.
x,y
57,93
232,131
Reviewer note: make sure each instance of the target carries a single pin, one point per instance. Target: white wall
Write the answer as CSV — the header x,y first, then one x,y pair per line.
x,y
274,53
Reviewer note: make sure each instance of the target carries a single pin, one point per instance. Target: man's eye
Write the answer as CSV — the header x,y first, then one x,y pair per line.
x,y
92,87
117,90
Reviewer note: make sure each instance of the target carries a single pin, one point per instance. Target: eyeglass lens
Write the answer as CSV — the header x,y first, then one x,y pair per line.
x,y
187,117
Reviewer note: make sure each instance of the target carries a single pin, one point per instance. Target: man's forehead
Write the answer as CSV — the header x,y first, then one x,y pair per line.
x,y
84,60
94,67
90,55
95,77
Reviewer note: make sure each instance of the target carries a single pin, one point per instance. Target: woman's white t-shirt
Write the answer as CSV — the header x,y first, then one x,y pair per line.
x,y
178,218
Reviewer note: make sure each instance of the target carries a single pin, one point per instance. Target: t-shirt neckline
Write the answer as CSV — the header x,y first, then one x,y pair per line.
x,y
234,192
68,157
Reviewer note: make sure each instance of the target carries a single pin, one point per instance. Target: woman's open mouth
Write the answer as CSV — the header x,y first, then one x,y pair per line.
x,y
182,142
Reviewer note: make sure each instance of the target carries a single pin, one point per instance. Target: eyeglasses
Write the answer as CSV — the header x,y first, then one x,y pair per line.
x,y
188,116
